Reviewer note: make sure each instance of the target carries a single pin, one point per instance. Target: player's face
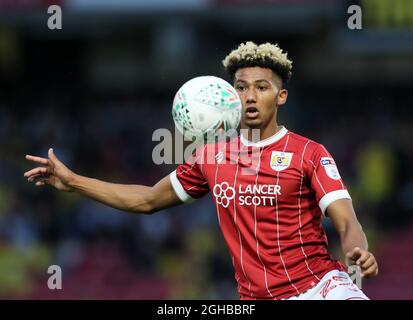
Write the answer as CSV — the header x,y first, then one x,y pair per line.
x,y
261,94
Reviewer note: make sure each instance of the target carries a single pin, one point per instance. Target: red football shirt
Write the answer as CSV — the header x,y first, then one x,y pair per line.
x,y
270,197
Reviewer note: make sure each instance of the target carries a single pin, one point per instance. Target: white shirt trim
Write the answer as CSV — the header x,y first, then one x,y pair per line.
x,y
277,136
179,189
330,197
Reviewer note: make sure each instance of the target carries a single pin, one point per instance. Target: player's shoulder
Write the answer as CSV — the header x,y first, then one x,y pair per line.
x,y
303,142
308,148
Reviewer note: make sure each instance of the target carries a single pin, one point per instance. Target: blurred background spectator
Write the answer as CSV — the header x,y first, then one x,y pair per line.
x,y
98,88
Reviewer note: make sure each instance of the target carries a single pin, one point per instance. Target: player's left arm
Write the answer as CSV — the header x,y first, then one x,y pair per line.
x,y
353,240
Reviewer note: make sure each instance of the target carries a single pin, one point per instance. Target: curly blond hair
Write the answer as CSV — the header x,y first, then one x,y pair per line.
x,y
266,55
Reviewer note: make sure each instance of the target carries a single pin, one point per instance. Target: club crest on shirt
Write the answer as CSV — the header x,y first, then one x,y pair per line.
x,y
280,160
330,168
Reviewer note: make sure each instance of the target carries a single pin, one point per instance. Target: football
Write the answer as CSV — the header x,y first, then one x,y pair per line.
x,y
205,105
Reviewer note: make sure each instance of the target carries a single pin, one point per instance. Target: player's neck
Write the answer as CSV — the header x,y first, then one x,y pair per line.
x,y
259,134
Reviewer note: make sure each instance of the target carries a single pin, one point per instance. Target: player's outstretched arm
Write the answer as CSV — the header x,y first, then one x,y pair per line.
x,y
134,198
353,240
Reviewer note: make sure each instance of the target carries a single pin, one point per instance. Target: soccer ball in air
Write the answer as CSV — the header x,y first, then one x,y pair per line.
x,y
204,105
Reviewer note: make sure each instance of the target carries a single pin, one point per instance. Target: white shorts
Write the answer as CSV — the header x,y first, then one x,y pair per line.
x,y
335,285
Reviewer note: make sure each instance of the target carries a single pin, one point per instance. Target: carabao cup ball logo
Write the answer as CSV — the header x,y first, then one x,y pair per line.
x,y
223,194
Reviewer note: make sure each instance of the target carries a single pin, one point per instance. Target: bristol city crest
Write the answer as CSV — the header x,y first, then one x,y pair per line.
x,y
280,160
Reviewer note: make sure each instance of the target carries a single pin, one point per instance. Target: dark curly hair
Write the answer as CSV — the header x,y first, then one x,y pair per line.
x,y
266,55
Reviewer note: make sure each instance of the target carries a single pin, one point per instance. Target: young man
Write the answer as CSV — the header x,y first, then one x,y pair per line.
x,y
271,215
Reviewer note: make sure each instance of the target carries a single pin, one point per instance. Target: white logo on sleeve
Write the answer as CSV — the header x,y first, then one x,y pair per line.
x,y
330,168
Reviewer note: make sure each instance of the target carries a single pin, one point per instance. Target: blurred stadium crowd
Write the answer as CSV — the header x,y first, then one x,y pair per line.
x,y
98,90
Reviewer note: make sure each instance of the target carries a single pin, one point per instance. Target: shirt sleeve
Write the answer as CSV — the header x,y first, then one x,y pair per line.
x,y
188,179
325,178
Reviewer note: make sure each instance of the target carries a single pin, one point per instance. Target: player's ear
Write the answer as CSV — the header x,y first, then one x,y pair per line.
x,y
282,96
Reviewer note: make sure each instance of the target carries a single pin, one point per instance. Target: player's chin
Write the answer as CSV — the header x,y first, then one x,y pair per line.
x,y
253,123
251,120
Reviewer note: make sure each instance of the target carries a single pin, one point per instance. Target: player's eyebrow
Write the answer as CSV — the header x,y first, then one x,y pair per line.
x,y
262,80
255,81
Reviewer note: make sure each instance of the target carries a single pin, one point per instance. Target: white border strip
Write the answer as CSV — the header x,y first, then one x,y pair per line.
x,y
179,189
330,197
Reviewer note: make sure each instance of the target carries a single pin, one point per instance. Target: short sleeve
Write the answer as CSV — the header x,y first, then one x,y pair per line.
x,y
188,179
325,178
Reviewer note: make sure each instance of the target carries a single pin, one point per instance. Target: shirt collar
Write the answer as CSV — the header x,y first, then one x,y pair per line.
x,y
270,140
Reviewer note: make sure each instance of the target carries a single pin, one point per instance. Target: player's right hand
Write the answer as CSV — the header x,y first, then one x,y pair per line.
x,y
50,171
365,260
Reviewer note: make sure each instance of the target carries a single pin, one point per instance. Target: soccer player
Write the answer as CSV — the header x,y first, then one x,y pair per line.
x,y
271,215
